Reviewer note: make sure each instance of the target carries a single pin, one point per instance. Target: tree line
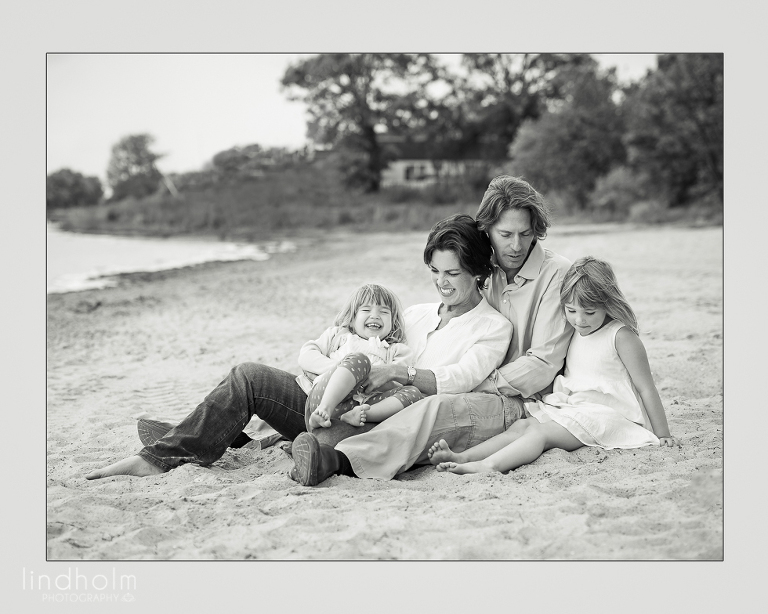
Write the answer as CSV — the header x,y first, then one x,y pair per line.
x,y
569,127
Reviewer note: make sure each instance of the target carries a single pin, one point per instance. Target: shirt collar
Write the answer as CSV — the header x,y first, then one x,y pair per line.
x,y
532,266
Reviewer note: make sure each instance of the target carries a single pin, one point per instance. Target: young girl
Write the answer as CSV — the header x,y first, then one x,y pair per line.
x,y
368,331
606,398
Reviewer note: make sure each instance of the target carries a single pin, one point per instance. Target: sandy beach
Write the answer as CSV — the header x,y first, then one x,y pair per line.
x,y
158,342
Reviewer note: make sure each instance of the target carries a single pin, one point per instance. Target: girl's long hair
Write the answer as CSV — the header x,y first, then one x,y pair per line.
x,y
591,283
374,294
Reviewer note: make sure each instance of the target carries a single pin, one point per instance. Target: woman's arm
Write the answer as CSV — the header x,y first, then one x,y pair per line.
x,y
398,372
469,366
632,353
462,369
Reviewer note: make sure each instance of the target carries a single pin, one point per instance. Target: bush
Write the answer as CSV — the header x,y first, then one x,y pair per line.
x,y
561,202
66,188
707,210
401,194
617,191
449,192
648,212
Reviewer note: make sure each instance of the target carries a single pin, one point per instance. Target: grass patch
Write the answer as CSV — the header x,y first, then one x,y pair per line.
x,y
310,198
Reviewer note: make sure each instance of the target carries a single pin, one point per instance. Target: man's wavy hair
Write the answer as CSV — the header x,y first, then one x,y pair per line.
x,y
592,284
373,294
506,192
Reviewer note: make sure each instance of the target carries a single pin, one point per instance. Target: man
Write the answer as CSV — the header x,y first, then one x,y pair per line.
x,y
525,288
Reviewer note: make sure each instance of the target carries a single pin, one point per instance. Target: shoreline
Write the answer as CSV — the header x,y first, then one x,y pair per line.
x,y
79,261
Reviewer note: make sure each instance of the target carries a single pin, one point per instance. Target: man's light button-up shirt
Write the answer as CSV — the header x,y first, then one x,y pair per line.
x,y
541,334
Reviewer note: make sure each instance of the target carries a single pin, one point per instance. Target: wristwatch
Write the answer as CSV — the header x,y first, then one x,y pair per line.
x,y
411,375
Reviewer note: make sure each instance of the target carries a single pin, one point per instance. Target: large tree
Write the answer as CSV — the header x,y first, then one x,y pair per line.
x,y
353,98
577,140
132,170
67,188
675,126
498,91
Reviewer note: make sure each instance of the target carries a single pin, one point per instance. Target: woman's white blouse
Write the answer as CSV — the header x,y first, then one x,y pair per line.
x,y
464,351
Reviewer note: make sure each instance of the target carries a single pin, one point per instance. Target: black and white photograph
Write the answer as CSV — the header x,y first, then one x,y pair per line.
x,y
384,306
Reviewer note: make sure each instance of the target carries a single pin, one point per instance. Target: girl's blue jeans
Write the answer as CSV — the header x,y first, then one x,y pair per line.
x,y
249,389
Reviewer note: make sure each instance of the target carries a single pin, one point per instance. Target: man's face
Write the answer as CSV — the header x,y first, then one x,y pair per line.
x,y
511,237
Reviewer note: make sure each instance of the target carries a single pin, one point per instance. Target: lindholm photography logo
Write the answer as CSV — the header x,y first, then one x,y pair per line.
x,y
73,586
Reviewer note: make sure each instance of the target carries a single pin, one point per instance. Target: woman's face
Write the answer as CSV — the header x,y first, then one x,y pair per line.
x,y
455,285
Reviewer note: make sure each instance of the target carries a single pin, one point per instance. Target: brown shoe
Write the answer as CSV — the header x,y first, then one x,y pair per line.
x,y
314,462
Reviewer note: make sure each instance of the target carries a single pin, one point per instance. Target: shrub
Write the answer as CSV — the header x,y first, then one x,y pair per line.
x,y
648,212
617,191
447,192
561,202
401,194
66,188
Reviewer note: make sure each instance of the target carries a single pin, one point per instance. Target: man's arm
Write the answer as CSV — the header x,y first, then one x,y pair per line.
x,y
535,370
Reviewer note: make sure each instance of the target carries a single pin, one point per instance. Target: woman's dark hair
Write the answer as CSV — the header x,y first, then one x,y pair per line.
x,y
459,234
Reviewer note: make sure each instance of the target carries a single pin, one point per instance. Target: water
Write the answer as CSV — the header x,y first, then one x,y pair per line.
x,y
81,262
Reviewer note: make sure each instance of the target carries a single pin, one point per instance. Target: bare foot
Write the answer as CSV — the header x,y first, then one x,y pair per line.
x,y
133,465
461,468
440,453
356,416
319,418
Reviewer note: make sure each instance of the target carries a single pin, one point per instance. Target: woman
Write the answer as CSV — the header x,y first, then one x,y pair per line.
x,y
456,342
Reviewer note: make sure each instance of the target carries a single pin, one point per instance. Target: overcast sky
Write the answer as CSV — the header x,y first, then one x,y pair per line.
x,y
195,105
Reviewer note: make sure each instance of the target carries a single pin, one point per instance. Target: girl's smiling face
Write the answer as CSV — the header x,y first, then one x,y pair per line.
x,y
372,320
586,320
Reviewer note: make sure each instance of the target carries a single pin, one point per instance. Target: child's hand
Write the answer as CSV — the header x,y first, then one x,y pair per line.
x,y
668,441
356,416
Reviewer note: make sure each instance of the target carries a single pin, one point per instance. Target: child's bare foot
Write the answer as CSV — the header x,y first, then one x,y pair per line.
x,y
440,453
461,468
319,419
356,416
133,465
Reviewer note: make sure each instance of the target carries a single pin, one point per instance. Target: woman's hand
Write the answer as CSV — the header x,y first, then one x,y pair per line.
x,y
669,441
379,375
356,416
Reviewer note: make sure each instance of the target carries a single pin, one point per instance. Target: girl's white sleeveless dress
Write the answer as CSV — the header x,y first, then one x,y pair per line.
x,y
595,399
